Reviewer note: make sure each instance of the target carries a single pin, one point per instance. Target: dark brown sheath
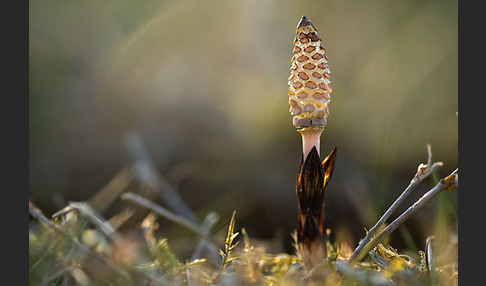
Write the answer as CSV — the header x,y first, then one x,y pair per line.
x,y
312,181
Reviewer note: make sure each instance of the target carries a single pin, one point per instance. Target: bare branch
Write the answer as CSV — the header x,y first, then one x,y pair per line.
x,y
423,171
446,183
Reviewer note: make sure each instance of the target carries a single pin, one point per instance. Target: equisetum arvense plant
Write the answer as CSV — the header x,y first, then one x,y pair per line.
x,y
309,96
309,85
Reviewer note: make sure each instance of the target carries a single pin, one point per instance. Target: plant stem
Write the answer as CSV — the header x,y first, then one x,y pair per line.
x,y
310,137
167,214
37,214
423,172
446,183
208,222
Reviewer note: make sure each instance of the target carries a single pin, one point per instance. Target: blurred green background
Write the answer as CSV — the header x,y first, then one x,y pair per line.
x,y
204,84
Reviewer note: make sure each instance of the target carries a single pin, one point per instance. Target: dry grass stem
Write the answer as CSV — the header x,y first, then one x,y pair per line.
x,y
87,253
430,257
209,221
36,213
166,213
104,197
145,171
86,211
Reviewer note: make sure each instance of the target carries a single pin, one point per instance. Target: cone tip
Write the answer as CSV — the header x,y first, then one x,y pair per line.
x,y
305,22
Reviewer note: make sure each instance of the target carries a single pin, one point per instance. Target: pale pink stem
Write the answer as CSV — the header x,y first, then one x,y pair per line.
x,y
310,137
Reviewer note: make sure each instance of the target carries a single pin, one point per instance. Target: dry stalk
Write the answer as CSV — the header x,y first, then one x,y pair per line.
x,y
86,251
145,171
167,214
423,171
208,223
430,257
446,183
107,195
88,212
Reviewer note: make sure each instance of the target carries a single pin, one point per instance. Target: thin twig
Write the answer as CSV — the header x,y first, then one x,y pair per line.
x,y
444,184
167,214
423,171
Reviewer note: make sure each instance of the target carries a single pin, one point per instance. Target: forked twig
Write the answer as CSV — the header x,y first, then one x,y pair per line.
x,y
446,183
423,171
